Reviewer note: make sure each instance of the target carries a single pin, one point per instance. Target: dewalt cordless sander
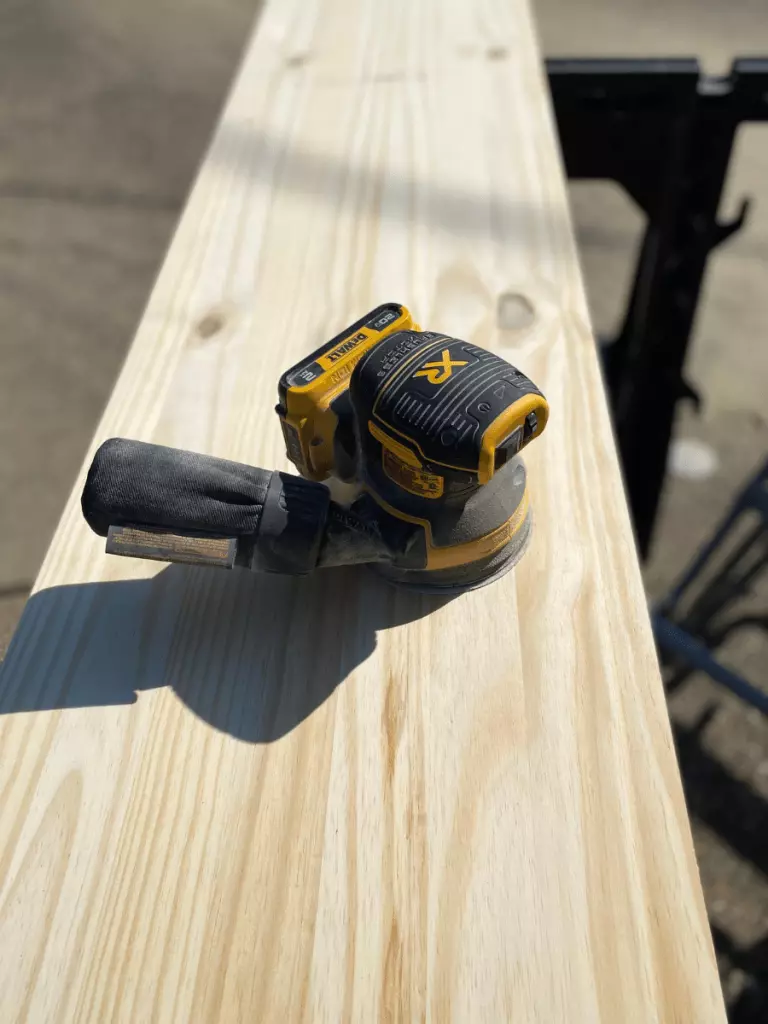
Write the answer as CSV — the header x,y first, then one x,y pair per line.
x,y
429,428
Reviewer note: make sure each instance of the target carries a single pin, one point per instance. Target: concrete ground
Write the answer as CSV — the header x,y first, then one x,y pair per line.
x,y
105,109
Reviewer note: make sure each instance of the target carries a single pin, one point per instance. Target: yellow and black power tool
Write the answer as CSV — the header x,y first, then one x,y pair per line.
x,y
429,429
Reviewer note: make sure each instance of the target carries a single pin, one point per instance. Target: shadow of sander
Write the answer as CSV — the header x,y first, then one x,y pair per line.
x,y
251,654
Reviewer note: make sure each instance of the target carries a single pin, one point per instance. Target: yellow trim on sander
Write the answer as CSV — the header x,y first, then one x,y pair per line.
x,y
503,426
394,446
442,557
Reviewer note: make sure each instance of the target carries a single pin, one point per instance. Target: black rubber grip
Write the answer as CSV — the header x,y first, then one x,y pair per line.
x,y
131,482
292,526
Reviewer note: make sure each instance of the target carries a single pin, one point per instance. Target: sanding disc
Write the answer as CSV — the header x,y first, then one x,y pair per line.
x,y
451,582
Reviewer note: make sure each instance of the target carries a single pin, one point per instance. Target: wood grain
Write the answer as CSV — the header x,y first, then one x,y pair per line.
x,y
236,798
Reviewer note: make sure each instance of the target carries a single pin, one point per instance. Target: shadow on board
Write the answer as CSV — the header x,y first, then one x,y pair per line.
x,y
251,654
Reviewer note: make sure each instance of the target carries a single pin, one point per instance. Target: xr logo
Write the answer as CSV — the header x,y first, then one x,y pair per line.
x,y
439,371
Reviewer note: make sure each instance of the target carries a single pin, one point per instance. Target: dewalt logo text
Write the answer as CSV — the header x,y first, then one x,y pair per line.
x,y
345,346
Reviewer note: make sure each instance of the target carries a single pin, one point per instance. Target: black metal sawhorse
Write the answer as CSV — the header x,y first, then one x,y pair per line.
x,y
686,630
665,132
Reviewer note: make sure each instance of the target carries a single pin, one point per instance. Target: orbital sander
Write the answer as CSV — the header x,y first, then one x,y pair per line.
x,y
427,428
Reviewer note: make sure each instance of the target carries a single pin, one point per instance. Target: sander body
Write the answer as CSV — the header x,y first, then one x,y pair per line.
x,y
427,428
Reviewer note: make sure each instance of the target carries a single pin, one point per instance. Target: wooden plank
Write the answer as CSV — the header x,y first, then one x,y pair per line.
x,y
226,797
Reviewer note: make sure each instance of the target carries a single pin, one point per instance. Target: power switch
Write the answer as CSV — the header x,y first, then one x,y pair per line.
x,y
508,448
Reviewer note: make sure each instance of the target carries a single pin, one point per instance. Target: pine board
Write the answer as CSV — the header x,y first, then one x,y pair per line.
x,y
235,798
